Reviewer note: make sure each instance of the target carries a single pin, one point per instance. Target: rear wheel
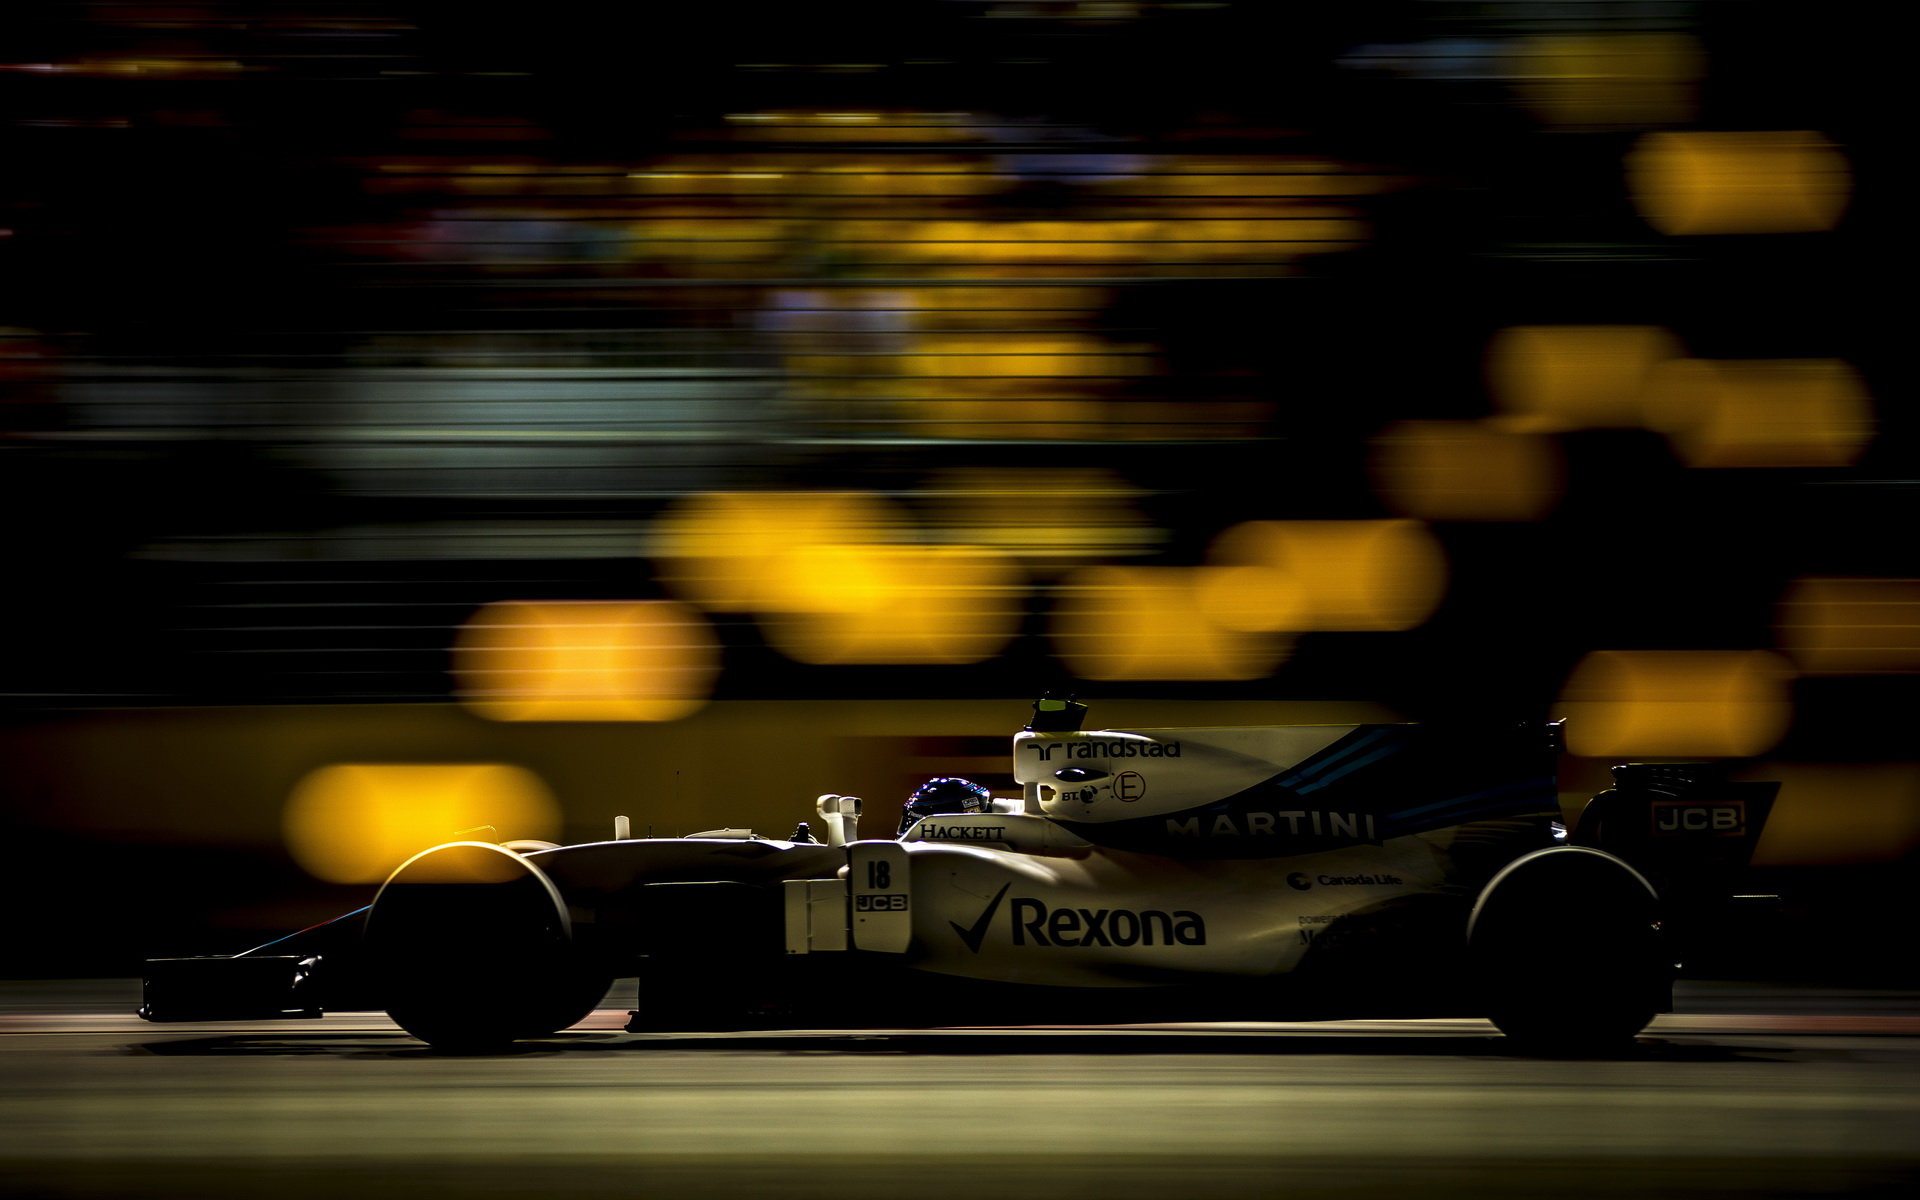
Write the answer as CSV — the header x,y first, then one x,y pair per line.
x,y
1567,951
474,950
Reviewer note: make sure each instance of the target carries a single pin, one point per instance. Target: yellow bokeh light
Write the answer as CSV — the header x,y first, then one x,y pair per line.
x,y
814,125
1705,182
1467,471
878,604
978,309
1253,599
463,862
1037,386
1609,79
1840,813
954,364
836,579
1677,703
356,822
720,549
1851,626
1124,623
1346,575
1245,177
926,177
1762,412
1280,232
694,240
639,660
1041,513
1036,417
1565,377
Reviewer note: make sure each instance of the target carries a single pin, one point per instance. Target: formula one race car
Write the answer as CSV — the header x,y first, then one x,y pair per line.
x,y
1271,873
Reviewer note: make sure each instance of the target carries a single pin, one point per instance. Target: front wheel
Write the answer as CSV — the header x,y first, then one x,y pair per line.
x,y
473,950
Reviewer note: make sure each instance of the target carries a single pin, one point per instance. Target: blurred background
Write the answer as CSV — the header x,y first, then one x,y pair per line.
x,y
421,416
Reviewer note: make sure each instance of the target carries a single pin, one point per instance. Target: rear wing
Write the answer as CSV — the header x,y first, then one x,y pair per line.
x,y
1685,826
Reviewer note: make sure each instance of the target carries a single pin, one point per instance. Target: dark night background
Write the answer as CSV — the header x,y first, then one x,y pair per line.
x,y
323,325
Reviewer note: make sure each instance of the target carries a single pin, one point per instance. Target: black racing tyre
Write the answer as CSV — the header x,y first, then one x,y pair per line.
x,y
473,950
1567,951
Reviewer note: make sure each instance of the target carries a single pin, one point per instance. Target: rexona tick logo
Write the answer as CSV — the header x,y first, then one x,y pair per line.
x,y
974,933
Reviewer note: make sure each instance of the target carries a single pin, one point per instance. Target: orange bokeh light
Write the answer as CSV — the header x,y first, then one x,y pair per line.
x,y
356,822
906,604
1706,182
570,660
1588,79
1345,575
1119,623
1762,412
1677,703
1467,471
1851,626
1566,377
721,549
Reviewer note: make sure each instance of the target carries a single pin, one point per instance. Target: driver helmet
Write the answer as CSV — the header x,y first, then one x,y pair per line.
x,y
944,794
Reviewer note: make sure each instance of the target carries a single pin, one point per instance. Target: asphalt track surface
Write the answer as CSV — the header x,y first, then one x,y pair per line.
x,y
1743,1092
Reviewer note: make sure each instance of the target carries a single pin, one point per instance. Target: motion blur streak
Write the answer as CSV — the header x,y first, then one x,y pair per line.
x,y
837,578
1041,516
1762,413
1635,79
1347,575
1018,387
1566,377
846,604
356,822
1700,182
579,660
720,549
800,124
1830,813
1676,703
1851,626
1467,471
1254,599
1126,623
